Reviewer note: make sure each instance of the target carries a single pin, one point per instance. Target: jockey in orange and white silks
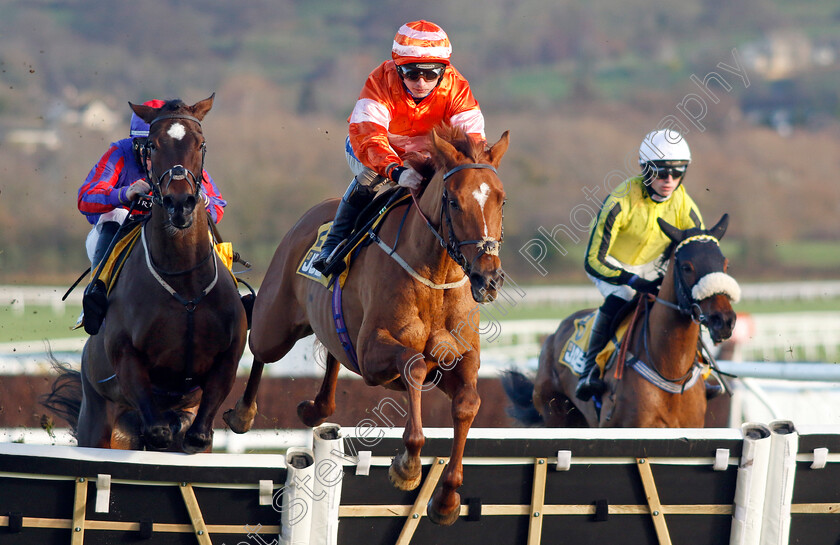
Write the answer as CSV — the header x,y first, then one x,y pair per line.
x,y
390,120
402,100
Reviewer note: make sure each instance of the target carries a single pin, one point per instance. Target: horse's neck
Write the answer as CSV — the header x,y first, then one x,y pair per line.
x,y
423,249
672,337
174,249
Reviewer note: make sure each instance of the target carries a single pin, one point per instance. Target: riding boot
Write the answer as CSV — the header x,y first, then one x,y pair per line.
x,y
106,235
95,298
590,383
352,203
712,390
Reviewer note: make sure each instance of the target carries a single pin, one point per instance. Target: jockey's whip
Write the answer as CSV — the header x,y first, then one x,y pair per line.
x,y
107,253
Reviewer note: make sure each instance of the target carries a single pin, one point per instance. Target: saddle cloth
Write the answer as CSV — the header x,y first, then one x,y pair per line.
x,y
573,353
305,267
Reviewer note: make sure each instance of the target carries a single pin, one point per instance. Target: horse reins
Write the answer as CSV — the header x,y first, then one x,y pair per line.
x,y
487,245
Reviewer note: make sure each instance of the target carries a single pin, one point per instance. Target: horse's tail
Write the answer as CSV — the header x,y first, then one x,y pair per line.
x,y
520,391
65,399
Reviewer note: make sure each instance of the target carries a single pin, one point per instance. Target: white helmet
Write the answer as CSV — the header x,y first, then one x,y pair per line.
x,y
664,145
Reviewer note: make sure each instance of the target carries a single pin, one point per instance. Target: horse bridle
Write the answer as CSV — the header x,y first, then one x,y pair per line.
x,y
176,172
686,305
487,245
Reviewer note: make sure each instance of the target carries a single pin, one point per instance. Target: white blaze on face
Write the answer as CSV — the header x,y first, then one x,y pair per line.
x,y
176,131
481,194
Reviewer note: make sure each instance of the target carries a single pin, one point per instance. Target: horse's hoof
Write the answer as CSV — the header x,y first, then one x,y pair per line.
x,y
401,482
443,519
308,415
240,419
158,437
197,442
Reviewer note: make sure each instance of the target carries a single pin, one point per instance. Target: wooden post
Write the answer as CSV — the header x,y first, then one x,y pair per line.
x,y
656,512
537,502
77,529
194,511
419,507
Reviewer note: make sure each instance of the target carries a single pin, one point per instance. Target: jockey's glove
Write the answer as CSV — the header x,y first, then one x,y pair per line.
x,y
645,286
407,177
137,189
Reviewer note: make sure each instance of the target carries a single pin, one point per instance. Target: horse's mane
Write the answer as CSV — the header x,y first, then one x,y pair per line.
x,y
426,166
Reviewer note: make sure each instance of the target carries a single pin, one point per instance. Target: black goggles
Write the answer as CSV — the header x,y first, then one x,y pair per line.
x,y
412,73
661,172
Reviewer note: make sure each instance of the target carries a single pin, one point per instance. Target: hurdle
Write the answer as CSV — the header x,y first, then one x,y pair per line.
x,y
764,483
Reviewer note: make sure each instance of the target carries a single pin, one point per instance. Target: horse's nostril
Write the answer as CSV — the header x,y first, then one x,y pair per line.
x,y
167,202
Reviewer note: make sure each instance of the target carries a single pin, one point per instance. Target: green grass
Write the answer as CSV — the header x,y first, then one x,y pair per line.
x,y
814,254
38,323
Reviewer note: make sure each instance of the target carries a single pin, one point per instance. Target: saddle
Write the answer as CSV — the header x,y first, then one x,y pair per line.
x,y
369,220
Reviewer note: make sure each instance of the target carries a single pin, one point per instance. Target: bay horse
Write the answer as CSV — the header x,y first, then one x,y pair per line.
x,y
660,386
165,358
409,325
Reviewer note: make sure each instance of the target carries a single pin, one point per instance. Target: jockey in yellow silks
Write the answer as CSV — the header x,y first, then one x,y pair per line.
x,y
626,247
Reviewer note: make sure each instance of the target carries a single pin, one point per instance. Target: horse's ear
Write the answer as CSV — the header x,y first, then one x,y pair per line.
x,y
200,109
499,148
146,113
672,232
445,152
720,227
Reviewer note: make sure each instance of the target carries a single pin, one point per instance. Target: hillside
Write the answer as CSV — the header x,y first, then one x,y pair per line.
x,y
578,86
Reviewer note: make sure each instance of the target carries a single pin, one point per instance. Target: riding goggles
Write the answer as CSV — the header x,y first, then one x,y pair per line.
x,y
413,72
662,172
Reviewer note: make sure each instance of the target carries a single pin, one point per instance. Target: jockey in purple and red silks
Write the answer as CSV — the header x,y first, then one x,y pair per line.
x,y
117,179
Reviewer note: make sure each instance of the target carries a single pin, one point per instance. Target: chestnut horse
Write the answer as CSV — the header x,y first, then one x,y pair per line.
x,y
406,323
165,358
660,385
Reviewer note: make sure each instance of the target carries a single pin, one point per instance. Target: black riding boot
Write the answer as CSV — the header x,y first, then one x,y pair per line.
x,y
590,383
352,203
712,390
95,299
106,235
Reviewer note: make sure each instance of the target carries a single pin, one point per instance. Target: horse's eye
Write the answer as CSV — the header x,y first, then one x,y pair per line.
x,y
454,204
687,268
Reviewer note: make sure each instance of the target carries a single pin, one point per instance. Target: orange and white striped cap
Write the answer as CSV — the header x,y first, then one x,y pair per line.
x,y
421,41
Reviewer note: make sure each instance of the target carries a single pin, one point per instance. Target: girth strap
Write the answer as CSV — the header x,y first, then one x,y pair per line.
x,y
341,327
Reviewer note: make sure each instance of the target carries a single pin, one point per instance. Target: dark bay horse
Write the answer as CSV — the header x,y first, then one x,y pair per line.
x,y
664,389
411,330
166,355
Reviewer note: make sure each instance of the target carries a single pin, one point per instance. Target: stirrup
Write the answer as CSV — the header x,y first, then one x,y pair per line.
x,y
334,264
589,386
712,390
